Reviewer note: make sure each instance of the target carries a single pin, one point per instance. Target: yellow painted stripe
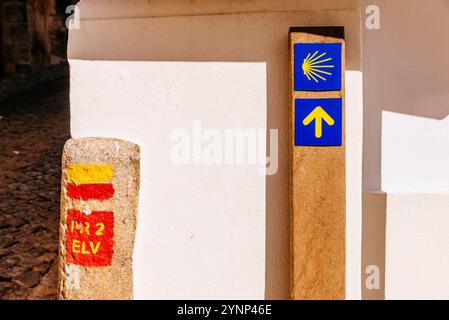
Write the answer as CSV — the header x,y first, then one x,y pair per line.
x,y
90,173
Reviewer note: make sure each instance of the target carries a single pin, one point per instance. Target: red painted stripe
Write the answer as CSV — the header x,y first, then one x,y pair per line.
x,y
103,191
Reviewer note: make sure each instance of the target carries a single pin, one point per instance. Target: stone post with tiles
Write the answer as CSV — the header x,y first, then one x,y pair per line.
x,y
318,163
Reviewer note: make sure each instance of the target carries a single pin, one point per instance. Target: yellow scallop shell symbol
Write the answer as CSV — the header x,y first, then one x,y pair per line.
x,y
313,67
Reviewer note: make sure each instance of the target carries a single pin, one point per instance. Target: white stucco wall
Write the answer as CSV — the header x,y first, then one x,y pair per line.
x,y
406,142
121,59
201,228
415,153
406,78
417,253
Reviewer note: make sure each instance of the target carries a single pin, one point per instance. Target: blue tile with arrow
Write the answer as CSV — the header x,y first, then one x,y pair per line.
x,y
318,122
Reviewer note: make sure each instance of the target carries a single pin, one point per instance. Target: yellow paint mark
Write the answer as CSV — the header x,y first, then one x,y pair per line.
x,y
100,227
90,173
312,66
86,228
76,246
83,248
318,114
95,248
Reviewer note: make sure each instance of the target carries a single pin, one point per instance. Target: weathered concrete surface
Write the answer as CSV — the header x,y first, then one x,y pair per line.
x,y
100,180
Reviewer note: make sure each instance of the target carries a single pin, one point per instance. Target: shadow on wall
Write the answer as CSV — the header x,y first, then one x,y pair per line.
x,y
373,246
406,71
406,104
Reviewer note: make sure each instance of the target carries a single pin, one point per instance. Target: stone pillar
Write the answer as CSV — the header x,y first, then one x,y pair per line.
x,y
318,163
28,29
99,197
16,45
40,36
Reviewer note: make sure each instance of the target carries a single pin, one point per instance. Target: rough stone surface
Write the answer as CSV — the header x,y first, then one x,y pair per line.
x,y
34,125
32,34
82,274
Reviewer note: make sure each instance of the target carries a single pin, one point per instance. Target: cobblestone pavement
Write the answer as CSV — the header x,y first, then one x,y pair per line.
x,y
34,124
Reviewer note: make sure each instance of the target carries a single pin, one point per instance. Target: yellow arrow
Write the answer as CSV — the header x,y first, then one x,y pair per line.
x,y
318,114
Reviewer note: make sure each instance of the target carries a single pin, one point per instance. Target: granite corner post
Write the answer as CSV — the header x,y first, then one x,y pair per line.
x,y
99,203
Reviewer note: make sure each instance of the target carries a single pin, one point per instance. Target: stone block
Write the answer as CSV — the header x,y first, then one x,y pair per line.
x,y
99,199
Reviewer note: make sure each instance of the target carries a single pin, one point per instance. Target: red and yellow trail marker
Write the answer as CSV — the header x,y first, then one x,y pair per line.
x,y
93,191
90,182
90,173
99,200
90,234
90,238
